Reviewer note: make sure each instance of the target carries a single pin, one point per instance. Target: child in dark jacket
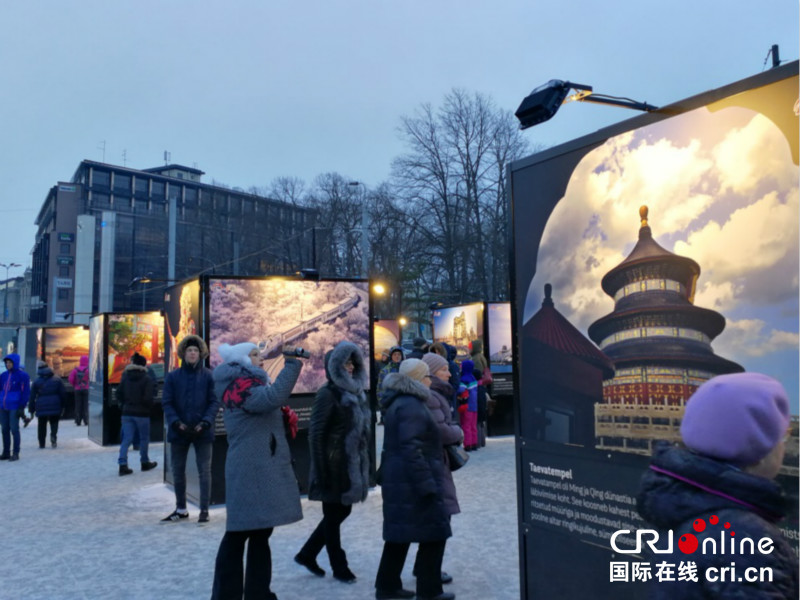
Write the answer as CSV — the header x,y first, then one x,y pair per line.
x,y
47,402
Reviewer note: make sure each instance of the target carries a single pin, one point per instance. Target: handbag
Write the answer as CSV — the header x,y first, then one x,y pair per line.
x,y
456,456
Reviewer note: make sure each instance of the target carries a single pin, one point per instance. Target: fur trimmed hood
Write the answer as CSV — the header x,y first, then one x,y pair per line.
x,y
197,340
133,367
334,367
396,384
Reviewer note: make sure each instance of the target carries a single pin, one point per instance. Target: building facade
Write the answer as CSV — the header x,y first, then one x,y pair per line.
x,y
113,238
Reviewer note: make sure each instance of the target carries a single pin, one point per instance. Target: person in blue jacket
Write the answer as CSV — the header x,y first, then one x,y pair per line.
x,y
190,409
15,390
47,402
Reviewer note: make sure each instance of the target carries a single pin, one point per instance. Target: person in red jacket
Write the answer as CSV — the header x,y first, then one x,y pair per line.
x,y
79,379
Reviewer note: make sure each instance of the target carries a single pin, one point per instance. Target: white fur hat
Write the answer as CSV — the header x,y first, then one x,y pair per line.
x,y
237,353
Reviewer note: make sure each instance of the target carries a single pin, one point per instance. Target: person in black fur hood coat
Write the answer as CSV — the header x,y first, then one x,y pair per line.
x,y
339,435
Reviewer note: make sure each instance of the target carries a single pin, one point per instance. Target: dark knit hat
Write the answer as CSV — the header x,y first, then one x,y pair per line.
x,y
139,360
419,342
737,418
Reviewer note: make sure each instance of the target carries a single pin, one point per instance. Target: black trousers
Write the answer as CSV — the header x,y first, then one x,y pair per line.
x,y
228,581
81,407
428,567
328,534
43,421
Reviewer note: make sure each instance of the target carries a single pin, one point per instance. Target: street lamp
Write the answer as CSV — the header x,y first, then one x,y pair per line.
x,y
5,295
544,101
364,230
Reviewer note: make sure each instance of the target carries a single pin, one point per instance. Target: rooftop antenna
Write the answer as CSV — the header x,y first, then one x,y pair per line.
x,y
125,158
776,56
167,157
102,147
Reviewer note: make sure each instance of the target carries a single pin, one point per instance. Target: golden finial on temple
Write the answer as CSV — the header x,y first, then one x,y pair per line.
x,y
643,214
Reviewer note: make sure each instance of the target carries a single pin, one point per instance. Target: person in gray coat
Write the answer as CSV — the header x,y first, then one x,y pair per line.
x,y
338,435
261,490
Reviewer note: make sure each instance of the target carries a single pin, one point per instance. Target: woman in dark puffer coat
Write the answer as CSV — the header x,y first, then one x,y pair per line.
x,y
339,435
47,402
412,486
734,428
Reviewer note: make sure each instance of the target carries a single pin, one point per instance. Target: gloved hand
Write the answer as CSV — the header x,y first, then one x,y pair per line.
x,y
295,352
179,426
202,426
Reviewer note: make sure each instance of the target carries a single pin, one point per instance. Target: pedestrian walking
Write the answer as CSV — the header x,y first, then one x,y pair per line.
x,y
15,391
339,436
47,403
135,397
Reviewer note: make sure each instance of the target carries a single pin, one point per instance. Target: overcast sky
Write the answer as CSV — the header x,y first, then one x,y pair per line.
x,y
255,89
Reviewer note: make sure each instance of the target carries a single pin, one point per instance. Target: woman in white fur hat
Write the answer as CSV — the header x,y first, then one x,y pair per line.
x,y
261,490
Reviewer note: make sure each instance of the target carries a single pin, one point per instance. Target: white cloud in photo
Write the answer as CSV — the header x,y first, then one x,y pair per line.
x,y
753,337
731,206
752,153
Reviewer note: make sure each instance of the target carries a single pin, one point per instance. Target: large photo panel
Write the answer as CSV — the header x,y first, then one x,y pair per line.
x,y
459,326
315,315
647,262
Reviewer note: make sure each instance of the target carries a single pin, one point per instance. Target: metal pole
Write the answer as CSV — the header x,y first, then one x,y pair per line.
x,y
5,299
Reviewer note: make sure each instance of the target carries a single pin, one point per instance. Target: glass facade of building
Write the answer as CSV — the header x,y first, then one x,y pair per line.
x,y
218,230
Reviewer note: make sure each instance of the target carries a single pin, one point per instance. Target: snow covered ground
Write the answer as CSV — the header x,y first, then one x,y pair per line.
x,y
74,529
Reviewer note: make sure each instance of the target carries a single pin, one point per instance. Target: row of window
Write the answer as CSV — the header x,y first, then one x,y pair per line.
x,y
123,186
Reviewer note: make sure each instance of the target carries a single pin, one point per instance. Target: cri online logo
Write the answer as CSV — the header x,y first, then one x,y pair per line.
x,y
689,544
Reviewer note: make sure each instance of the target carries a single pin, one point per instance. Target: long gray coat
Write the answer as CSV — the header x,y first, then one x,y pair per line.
x,y
260,485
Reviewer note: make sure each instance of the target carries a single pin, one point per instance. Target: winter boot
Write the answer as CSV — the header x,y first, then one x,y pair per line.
x,y
124,470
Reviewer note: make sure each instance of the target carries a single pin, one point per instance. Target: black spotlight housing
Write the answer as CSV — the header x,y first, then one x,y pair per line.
x,y
542,103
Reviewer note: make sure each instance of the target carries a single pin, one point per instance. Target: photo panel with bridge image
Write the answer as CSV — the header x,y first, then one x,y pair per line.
x,y
274,312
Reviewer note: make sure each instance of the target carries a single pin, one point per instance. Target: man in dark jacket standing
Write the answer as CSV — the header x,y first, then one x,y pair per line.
x,y
135,396
15,389
190,409
47,402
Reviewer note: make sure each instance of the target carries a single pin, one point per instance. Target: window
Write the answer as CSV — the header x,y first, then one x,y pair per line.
x,y
101,179
101,200
158,190
63,271
141,186
65,248
63,294
174,191
122,183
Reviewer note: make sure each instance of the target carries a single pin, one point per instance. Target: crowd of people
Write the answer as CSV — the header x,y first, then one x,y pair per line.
x,y
733,434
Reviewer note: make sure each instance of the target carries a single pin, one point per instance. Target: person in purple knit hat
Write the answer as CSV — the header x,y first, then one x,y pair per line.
x,y
719,488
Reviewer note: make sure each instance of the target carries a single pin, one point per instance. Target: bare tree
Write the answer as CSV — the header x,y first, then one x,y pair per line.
x,y
455,167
